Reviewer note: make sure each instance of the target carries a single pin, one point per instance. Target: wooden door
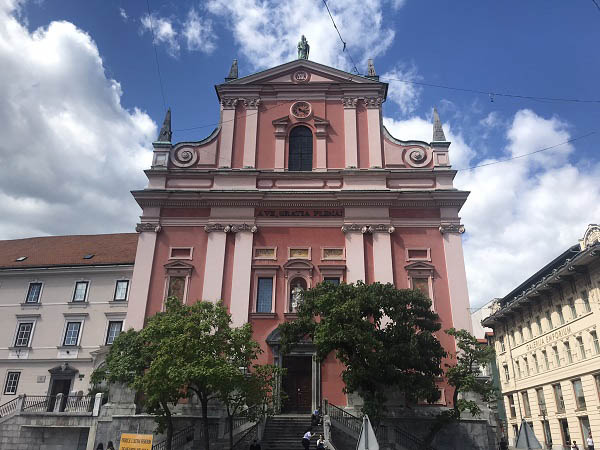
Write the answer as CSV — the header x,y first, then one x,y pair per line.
x,y
297,384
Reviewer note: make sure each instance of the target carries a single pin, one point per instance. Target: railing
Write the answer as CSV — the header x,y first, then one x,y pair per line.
x,y
345,418
78,403
178,440
246,439
247,416
9,407
39,403
406,441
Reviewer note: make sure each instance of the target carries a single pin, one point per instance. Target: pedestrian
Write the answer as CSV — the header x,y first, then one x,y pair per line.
x,y
590,441
316,416
110,446
574,446
306,439
255,445
320,443
503,443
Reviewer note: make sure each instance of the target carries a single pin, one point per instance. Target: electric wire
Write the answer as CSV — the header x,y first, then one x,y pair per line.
x,y
162,91
597,5
341,39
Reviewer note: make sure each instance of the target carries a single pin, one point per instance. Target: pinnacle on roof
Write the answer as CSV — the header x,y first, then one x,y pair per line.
x,y
165,131
233,72
438,132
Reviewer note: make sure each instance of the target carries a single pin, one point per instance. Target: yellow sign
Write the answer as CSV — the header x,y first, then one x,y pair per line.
x,y
131,441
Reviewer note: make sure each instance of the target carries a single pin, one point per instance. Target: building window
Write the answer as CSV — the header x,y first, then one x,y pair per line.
x,y
264,295
176,287
72,334
506,374
81,289
561,317
597,380
526,406
114,329
564,430
572,308
418,254
526,366
502,345
535,363
586,302
515,429
511,404
538,322
568,353
24,332
546,362
301,149
518,369
547,433
121,289
595,343
558,398
581,347
181,253
512,339
541,401
584,424
33,294
579,396
332,280
12,382
549,320
556,356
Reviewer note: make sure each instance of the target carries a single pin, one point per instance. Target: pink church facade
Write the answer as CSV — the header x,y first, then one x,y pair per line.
x,y
300,184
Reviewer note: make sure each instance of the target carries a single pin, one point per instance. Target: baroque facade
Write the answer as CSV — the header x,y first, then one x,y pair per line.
x,y
548,354
299,184
63,300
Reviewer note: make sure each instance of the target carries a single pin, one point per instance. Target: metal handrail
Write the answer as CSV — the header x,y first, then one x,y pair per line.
x,y
38,403
179,439
241,419
345,418
78,403
8,408
249,435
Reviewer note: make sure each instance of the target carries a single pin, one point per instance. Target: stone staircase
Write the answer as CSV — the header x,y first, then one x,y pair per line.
x,y
284,432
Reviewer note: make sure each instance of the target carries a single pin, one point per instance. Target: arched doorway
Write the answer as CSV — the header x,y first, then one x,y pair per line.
x,y
301,149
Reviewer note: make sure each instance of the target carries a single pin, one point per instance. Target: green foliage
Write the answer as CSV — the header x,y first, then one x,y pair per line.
x,y
383,336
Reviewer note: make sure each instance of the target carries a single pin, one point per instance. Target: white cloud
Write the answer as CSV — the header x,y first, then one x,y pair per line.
x,y
198,33
400,90
520,214
163,30
267,31
69,151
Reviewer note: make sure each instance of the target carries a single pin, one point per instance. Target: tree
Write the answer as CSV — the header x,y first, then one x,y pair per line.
x,y
383,336
141,360
465,377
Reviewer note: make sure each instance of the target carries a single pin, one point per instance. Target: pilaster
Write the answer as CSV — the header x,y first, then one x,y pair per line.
x,y
382,254
355,253
374,130
251,104
227,126
215,262
350,135
242,268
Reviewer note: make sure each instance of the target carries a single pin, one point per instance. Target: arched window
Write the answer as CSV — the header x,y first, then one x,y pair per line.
x,y
301,149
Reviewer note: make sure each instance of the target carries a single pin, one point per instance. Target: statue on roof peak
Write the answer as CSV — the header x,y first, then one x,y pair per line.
x,y
303,48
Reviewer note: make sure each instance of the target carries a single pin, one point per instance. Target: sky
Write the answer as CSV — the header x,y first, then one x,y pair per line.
x,y
81,101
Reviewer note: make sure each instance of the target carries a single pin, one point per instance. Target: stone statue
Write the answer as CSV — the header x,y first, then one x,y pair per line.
x,y
297,295
303,48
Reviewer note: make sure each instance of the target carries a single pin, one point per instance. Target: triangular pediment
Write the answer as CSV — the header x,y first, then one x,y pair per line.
x,y
419,266
317,73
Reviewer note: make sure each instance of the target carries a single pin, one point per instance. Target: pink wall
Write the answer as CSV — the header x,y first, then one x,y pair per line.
x,y
335,135
362,131
228,270
265,141
369,266
239,131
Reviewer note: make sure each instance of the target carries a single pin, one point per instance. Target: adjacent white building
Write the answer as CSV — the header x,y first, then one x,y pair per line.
x,y
63,299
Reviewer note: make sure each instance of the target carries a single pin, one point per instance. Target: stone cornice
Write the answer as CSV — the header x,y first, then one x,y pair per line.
x,y
153,227
452,228
367,229
231,228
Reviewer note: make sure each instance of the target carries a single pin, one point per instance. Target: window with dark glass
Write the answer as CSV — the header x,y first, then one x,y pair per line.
x,y
572,308
121,289
564,429
332,280
72,333
33,294
80,293
547,433
549,320
511,404
561,317
114,329
556,356
581,347
301,149
526,406
568,353
264,295
23,334
12,382
558,398
579,396
541,400
546,362
586,301
595,343
506,374
502,344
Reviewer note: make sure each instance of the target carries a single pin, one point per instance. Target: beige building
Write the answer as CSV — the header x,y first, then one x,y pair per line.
x,y
62,300
547,348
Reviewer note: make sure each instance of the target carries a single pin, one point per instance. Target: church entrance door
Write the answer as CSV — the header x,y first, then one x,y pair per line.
x,y
297,384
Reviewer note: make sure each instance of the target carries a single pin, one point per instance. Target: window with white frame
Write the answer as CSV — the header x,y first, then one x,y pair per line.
x,y
595,343
81,290
24,333
12,383
114,329
33,293
586,301
121,289
72,333
264,294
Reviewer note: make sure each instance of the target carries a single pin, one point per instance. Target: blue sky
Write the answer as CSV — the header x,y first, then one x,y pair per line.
x,y
83,103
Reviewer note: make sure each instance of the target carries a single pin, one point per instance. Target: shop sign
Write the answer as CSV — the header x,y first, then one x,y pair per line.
x,y
132,441
549,338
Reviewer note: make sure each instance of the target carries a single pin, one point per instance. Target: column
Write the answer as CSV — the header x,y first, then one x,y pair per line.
x,y
251,105
215,262
457,276
321,135
351,155
374,130
355,253
227,127
242,272
140,280
382,253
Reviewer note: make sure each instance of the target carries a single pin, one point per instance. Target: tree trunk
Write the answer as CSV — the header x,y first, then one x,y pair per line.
x,y
204,403
230,419
169,425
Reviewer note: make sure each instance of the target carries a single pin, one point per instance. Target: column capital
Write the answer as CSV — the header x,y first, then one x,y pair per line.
x,y
350,102
153,227
373,102
229,103
368,229
252,102
452,228
230,228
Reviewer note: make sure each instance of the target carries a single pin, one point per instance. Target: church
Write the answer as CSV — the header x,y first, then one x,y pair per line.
x,y
299,184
